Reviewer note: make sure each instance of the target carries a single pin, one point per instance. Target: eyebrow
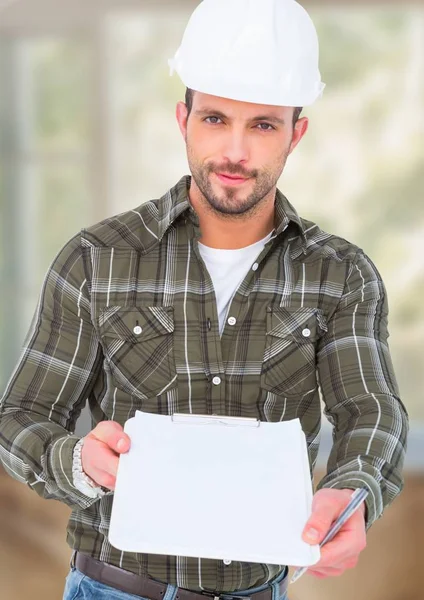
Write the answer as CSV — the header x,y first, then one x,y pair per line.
x,y
216,113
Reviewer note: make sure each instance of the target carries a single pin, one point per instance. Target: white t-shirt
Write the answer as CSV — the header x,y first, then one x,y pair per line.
x,y
227,269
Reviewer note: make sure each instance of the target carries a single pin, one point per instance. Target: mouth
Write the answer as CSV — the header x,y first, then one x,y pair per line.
x,y
231,179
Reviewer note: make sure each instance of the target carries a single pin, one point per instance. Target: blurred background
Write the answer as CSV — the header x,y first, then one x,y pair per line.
x,y
87,130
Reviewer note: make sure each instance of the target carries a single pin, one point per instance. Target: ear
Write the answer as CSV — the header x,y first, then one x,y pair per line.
x,y
182,117
300,128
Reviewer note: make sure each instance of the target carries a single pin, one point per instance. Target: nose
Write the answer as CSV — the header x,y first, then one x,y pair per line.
x,y
236,149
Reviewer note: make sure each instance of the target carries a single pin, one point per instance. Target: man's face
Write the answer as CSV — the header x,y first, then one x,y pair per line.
x,y
237,150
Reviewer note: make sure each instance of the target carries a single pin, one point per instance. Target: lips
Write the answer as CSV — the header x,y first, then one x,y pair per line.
x,y
234,177
231,179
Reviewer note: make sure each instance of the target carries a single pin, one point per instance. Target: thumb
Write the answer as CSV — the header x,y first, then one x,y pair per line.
x,y
326,507
112,434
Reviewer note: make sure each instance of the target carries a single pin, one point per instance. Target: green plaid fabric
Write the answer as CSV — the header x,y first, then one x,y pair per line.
x,y
123,321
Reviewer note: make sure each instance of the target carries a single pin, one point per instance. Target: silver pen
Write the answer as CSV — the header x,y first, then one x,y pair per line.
x,y
356,500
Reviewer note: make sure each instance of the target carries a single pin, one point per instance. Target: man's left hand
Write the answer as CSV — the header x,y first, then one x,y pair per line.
x,y
342,552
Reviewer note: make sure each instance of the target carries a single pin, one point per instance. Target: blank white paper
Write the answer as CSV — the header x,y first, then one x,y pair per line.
x,y
219,488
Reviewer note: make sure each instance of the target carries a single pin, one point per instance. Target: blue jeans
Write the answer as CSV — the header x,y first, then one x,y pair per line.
x,y
80,587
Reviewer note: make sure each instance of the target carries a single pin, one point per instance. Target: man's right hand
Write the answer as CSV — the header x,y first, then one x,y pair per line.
x,y
101,450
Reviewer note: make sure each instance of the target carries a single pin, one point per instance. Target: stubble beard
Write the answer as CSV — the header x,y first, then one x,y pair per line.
x,y
232,202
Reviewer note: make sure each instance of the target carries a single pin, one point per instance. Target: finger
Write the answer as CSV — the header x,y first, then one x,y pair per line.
x,y
317,574
326,507
327,572
97,456
107,461
103,479
112,434
346,545
347,564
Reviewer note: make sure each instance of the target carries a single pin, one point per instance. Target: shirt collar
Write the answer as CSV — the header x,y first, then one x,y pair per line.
x,y
176,202
285,214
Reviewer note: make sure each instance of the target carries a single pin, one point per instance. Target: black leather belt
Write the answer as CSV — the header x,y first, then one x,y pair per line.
x,y
138,585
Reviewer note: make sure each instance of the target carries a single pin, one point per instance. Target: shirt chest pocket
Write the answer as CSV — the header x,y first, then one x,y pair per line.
x,y
289,363
138,346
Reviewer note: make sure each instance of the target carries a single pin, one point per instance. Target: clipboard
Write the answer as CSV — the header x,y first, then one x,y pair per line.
x,y
217,487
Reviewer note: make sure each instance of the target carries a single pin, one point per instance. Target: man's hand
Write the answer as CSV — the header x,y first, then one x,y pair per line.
x,y
343,550
101,450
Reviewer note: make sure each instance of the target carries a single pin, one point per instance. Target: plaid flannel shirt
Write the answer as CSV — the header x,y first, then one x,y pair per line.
x,y
142,269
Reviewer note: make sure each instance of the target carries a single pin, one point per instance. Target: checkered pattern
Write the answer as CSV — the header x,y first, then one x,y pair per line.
x,y
123,321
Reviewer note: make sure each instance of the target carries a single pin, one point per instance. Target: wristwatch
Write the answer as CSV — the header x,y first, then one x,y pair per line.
x,y
81,480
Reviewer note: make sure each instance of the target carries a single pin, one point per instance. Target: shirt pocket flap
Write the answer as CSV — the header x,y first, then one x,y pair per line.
x,y
136,324
301,325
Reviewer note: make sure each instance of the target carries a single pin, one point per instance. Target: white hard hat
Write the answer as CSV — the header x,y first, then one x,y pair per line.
x,y
260,51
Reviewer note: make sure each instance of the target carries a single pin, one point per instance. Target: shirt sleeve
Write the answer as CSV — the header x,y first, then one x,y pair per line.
x,y
360,393
59,364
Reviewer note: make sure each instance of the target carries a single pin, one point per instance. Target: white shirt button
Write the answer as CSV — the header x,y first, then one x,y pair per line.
x,y
227,562
306,332
137,330
216,380
232,321
255,267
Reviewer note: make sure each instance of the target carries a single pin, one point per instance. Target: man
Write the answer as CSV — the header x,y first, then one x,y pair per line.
x,y
215,299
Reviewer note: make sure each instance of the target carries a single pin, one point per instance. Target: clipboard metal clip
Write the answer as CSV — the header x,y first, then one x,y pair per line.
x,y
179,418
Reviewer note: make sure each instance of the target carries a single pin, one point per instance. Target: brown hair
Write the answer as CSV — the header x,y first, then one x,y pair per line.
x,y
189,103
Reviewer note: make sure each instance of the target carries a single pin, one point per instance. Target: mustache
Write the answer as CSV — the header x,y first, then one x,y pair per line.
x,y
231,170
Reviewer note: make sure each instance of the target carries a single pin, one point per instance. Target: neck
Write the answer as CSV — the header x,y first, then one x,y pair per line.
x,y
231,232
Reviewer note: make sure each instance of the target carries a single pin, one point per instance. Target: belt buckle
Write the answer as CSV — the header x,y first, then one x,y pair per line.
x,y
211,595
225,596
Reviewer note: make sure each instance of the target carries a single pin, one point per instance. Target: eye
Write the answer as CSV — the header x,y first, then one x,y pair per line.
x,y
215,122
265,127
